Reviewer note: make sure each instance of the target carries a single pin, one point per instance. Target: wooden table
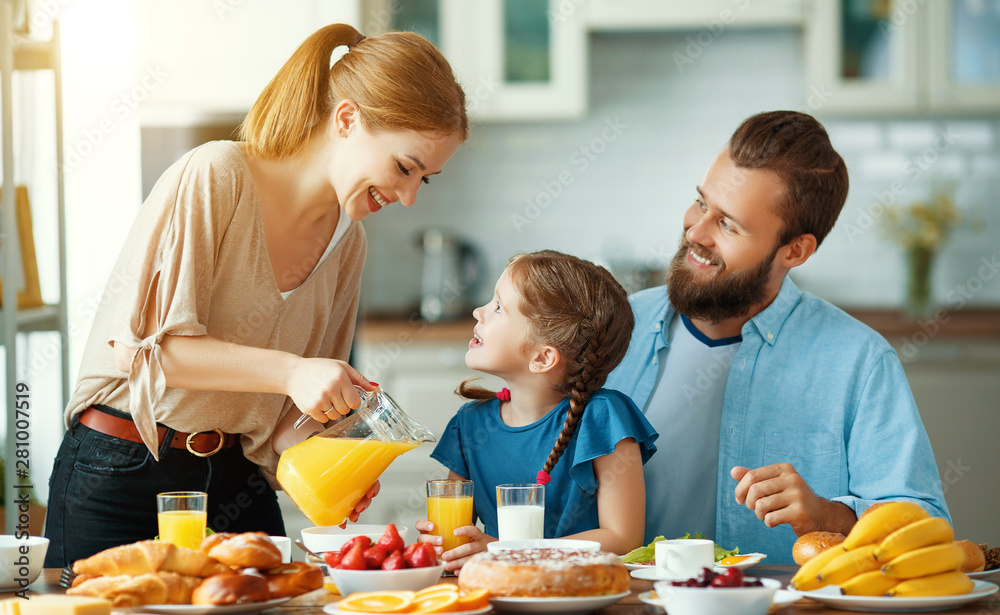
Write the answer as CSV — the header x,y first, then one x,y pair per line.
x,y
313,602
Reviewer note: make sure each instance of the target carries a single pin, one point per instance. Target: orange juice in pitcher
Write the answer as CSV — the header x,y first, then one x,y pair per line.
x,y
327,474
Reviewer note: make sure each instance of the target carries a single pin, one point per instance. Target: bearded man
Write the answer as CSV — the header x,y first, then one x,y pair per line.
x,y
778,413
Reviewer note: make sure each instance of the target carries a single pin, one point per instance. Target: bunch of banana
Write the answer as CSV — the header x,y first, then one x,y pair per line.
x,y
896,550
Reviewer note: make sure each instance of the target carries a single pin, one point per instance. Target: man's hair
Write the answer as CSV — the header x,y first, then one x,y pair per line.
x,y
795,147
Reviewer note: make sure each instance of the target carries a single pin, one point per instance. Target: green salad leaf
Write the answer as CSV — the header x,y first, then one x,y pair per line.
x,y
647,553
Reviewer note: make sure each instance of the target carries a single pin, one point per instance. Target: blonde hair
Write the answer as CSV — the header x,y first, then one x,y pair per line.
x,y
399,81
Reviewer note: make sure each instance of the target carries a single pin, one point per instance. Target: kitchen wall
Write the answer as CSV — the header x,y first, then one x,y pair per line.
x,y
613,186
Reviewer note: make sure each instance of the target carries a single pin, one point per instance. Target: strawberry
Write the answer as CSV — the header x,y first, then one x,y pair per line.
x,y
424,556
332,558
394,561
353,559
390,540
374,556
364,540
408,554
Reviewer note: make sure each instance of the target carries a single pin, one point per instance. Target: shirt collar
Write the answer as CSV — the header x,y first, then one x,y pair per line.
x,y
767,323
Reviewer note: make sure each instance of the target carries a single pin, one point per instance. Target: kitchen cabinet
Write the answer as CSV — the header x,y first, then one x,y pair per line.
x,y
517,59
212,59
419,364
712,15
902,56
22,53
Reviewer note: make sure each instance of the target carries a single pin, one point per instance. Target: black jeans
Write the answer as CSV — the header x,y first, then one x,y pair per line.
x,y
102,492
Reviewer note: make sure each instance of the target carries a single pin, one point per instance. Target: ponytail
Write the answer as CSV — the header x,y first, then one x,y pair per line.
x,y
298,99
399,81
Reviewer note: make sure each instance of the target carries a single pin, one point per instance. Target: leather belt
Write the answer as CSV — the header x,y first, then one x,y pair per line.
x,y
202,443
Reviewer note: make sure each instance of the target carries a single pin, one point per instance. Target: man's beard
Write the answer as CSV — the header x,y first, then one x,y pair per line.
x,y
720,297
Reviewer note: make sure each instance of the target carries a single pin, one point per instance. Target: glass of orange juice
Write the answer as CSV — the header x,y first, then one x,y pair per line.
x,y
449,506
182,516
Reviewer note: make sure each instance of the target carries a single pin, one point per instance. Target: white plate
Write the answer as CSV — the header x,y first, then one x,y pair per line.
x,y
782,598
333,610
198,609
650,573
755,558
984,574
831,596
570,606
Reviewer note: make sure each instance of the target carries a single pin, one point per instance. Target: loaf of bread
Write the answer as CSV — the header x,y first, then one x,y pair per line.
x,y
545,573
232,588
975,560
814,543
293,579
148,556
124,591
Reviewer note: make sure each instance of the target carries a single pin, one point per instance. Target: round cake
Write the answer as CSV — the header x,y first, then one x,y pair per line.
x,y
525,573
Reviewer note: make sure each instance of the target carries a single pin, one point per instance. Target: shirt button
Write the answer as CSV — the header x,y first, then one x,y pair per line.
x,y
770,336
657,326
654,360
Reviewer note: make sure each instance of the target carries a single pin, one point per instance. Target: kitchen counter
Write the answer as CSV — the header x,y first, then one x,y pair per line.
x,y
313,602
956,325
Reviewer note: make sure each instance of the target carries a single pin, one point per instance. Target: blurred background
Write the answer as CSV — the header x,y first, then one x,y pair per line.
x,y
594,120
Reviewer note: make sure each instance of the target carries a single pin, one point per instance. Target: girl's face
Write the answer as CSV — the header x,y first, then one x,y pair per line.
x,y
374,169
498,342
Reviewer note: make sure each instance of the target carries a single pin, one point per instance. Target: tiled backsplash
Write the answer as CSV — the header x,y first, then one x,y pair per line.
x,y
613,187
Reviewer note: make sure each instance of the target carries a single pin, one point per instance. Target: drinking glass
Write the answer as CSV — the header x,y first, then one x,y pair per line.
x,y
521,511
182,516
449,506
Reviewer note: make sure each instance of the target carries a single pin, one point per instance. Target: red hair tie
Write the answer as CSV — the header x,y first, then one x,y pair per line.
x,y
543,477
503,394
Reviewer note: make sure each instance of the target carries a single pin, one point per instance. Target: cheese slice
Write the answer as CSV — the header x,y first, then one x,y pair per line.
x,y
55,604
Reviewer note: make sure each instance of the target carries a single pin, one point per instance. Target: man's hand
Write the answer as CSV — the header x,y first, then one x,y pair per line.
x,y
778,494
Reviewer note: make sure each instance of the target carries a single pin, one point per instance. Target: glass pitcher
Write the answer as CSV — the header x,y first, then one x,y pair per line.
x,y
327,474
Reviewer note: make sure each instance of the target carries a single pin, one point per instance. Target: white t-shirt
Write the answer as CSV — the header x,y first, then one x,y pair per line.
x,y
685,408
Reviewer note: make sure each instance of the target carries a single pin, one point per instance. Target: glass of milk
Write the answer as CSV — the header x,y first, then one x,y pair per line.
x,y
521,511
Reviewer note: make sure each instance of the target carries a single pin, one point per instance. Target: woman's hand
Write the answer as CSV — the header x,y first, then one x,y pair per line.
x,y
455,558
324,388
363,504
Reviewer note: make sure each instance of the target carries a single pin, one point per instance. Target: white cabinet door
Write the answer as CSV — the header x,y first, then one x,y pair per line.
x,y
638,15
862,57
964,59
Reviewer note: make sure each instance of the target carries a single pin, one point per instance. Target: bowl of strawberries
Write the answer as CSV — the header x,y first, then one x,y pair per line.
x,y
364,565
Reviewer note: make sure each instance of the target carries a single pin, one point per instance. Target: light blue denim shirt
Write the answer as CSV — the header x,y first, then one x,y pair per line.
x,y
810,386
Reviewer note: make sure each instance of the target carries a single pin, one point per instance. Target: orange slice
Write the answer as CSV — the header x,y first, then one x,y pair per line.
x,y
436,589
473,600
377,602
440,602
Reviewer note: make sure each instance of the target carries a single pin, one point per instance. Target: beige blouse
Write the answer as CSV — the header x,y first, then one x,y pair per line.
x,y
197,254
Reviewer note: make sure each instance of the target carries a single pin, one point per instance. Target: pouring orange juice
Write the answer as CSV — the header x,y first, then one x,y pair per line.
x,y
327,474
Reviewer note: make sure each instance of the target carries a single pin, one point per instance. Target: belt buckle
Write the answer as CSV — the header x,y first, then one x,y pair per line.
x,y
190,440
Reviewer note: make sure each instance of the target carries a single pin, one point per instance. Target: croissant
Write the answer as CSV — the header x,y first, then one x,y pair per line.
x,y
148,556
125,591
247,550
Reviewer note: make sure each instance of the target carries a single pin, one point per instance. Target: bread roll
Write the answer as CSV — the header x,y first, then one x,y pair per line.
x,y
814,543
975,560
124,591
148,556
231,588
247,550
293,579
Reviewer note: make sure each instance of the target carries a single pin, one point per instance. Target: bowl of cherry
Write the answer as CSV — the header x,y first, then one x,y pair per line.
x,y
711,592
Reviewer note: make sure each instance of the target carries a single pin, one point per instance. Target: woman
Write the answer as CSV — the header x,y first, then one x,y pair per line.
x,y
241,280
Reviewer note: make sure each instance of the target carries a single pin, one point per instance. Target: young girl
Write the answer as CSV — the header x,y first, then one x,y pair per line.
x,y
557,325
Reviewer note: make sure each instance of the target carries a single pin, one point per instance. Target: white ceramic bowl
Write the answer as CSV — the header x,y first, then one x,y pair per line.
x,y
18,570
544,543
350,581
702,600
329,538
